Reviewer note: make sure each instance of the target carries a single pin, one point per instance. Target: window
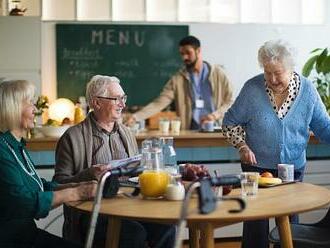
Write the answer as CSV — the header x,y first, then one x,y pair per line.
x,y
193,10
221,11
93,10
169,10
128,10
58,10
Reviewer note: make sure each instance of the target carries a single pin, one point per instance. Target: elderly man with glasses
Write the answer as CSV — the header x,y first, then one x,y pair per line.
x,y
83,152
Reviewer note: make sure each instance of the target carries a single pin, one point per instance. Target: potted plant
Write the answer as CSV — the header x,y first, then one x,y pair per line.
x,y
41,104
318,67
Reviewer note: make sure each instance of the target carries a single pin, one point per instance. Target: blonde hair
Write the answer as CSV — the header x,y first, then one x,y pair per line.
x,y
12,95
98,86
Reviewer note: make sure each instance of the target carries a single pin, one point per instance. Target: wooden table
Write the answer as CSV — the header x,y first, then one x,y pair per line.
x,y
277,202
186,138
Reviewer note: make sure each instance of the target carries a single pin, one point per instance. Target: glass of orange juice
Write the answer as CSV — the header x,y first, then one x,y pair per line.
x,y
154,180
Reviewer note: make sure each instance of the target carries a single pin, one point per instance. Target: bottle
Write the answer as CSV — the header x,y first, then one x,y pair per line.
x,y
169,155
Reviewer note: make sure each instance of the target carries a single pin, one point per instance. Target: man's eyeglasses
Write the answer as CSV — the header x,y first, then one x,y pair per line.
x,y
117,100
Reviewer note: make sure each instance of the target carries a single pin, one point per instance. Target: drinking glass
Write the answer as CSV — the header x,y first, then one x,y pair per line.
x,y
249,183
175,125
164,125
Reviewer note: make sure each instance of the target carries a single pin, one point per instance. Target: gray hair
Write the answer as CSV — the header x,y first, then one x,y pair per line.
x,y
98,86
277,51
12,95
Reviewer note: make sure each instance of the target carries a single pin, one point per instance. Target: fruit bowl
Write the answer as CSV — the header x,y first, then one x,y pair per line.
x,y
53,131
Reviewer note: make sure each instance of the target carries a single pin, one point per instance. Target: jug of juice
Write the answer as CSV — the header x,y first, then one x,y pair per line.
x,y
154,180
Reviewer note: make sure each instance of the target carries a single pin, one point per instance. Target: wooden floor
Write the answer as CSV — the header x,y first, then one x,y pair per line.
x,y
224,244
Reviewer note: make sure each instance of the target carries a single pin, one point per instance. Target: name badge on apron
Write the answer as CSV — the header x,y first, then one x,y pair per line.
x,y
199,103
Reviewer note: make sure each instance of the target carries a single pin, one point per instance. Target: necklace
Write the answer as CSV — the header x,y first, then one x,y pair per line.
x,y
29,163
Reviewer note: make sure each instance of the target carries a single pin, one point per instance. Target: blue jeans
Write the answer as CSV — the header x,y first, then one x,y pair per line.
x,y
255,232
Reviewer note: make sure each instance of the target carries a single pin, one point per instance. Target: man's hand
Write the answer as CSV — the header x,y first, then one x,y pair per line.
x,y
206,118
98,170
246,155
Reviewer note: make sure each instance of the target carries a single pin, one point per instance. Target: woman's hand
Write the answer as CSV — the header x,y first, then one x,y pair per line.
x,y
86,190
246,155
78,192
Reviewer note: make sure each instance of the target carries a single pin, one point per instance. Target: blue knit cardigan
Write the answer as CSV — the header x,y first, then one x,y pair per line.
x,y
272,140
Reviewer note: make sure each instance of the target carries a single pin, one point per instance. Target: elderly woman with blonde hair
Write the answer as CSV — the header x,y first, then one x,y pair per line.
x,y
270,122
25,196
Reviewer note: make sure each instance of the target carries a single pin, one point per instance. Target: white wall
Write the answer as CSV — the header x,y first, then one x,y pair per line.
x,y
27,47
232,45
235,46
20,52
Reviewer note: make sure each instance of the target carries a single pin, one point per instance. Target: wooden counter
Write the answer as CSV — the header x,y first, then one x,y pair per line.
x,y
186,138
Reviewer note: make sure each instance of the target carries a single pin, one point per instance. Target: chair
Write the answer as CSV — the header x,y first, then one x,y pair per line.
x,y
316,235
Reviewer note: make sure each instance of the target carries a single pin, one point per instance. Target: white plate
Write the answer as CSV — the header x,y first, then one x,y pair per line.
x,y
134,179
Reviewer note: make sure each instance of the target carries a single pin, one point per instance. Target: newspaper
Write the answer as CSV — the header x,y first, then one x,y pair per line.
x,y
124,162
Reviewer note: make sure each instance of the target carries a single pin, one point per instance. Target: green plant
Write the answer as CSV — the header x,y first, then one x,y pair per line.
x,y
318,67
41,104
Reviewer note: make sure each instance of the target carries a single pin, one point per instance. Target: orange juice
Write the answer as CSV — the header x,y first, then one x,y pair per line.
x,y
153,183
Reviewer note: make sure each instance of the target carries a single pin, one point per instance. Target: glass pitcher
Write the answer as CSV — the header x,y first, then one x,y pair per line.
x,y
146,145
154,179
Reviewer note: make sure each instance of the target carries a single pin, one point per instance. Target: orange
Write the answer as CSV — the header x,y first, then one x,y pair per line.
x,y
267,174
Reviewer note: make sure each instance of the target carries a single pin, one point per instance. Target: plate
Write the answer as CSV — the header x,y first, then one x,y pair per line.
x,y
134,179
215,130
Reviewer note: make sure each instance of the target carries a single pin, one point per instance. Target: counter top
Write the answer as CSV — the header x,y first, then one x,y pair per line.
x,y
186,138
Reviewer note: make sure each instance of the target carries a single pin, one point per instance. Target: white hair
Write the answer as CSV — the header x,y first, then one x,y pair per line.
x,y
277,51
98,86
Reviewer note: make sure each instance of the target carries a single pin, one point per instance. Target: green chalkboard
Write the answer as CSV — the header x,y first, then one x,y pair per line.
x,y
143,57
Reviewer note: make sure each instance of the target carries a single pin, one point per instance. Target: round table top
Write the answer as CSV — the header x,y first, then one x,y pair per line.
x,y
269,202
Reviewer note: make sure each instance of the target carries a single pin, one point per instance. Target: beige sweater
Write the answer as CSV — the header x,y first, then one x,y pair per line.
x,y
73,158
73,154
178,89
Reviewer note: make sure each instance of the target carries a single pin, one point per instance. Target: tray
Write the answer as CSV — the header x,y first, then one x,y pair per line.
x,y
275,185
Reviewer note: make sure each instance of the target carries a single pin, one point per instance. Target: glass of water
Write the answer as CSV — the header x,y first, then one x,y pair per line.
x,y
249,183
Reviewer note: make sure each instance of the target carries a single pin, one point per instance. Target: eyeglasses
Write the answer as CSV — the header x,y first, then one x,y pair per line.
x,y
118,99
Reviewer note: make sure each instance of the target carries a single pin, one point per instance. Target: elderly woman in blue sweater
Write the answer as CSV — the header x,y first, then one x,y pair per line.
x,y
270,122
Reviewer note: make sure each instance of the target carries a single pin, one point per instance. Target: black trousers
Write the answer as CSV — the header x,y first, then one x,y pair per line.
x,y
41,239
255,233
133,234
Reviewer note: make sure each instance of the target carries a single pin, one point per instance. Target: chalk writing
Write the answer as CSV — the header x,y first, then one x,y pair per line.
x,y
114,37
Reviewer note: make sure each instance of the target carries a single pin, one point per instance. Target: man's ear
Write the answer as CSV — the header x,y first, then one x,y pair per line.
x,y
95,104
